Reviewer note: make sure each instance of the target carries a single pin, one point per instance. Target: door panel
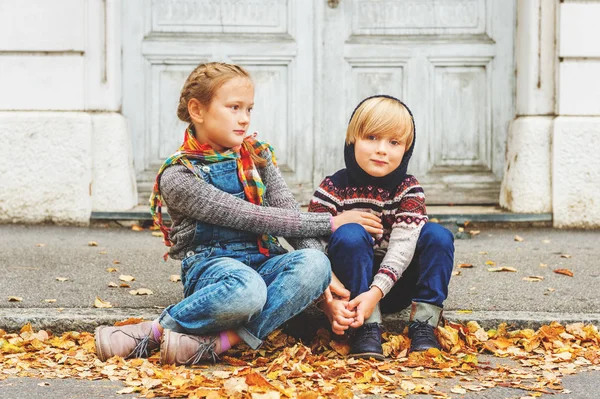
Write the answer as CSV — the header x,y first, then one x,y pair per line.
x,y
451,61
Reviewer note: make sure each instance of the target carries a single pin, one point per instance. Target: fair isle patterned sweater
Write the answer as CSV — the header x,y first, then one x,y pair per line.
x,y
402,212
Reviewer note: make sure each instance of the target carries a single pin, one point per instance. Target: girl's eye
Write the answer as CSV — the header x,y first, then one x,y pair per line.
x,y
250,110
235,107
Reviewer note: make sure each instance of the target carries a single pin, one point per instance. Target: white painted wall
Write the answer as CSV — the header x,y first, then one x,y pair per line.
x,y
63,55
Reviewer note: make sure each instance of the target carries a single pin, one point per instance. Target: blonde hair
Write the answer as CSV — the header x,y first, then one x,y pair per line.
x,y
381,116
203,83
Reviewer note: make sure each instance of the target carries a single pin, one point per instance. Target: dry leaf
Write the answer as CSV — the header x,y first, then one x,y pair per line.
x,y
49,300
175,278
99,303
533,278
124,285
14,299
518,238
543,265
456,273
474,232
136,227
131,320
502,269
141,291
92,244
465,265
113,285
490,263
566,256
44,384
483,253
62,279
566,272
124,277
458,389
157,234
116,262
112,269
40,245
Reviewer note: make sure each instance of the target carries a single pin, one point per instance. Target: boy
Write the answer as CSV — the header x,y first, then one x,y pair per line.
x,y
411,262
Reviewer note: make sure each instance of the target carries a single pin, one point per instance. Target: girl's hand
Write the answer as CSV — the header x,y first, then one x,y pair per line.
x,y
336,287
337,313
364,305
370,222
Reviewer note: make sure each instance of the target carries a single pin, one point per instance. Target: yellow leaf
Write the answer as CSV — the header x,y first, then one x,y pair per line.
x,y
141,291
174,278
15,299
490,263
62,279
125,277
157,234
136,227
518,238
112,269
502,269
92,244
99,303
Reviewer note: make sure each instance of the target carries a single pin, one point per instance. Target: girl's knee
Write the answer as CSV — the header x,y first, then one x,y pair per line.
x,y
437,235
350,236
315,269
250,293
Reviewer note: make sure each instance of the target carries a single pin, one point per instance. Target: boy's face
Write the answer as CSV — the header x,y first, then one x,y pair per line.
x,y
377,155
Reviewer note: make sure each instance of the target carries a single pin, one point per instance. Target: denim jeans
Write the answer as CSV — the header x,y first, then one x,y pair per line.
x,y
229,285
426,279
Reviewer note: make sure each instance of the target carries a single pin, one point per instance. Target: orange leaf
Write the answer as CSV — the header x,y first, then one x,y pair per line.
x,y
258,380
465,265
131,320
566,272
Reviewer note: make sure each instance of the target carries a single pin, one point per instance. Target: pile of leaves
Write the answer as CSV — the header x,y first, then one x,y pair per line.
x,y
284,367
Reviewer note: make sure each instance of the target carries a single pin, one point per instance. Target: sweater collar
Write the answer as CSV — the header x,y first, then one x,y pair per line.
x,y
357,176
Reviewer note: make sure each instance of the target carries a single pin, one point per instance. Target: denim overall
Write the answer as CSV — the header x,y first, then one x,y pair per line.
x,y
229,285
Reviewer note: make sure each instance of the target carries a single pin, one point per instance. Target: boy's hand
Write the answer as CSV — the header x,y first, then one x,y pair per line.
x,y
364,305
370,222
337,313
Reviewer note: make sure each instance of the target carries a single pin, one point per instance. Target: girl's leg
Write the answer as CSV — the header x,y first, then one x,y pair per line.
x,y
350,250
294,280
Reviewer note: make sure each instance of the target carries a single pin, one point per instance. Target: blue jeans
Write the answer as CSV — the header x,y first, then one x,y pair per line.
x,y
237,288
425,280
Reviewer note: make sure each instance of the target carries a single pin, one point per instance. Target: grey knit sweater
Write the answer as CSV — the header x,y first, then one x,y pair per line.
x,y
190,199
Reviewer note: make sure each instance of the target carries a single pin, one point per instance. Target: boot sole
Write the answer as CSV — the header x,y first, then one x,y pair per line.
x,y
367,355
164,344
99,352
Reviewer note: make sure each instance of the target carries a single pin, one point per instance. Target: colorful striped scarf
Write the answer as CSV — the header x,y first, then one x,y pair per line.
x,y
254,188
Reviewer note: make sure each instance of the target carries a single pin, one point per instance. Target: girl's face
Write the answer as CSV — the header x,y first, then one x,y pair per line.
x,y
223,124
378,156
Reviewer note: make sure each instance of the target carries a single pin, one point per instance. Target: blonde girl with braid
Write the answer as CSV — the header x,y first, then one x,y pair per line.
x,y
228,202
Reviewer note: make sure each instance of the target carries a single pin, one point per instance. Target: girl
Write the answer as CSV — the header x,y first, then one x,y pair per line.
x,y
228,201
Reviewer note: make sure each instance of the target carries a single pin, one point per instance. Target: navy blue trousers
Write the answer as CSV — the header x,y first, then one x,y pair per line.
x,y
426,279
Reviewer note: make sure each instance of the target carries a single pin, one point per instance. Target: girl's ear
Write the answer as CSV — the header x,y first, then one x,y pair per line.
x,y
196,111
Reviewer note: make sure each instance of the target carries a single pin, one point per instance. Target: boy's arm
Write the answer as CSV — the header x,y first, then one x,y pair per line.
x,y
410,216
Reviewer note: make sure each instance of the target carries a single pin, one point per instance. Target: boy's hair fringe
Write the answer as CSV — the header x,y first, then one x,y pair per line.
x,y
203,83
381,116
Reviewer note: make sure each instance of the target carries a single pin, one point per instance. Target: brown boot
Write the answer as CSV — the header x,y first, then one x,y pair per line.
x,y
186,349
133,340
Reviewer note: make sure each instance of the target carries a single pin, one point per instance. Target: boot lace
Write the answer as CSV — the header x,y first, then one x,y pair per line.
x,y
143,345
421,329
206,350
370,331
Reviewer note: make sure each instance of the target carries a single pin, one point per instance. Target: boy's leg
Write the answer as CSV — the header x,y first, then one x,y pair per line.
x,y
293,280
351,252
424,285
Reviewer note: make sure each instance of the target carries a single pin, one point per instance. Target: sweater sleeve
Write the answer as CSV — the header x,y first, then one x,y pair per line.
x,y
325,200
194,198
278,195
410,217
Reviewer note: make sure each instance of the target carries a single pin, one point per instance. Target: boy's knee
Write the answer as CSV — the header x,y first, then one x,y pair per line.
x,y
350,236
437,235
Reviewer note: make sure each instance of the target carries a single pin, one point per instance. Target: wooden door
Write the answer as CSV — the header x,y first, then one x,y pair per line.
x,y
451,61
163,40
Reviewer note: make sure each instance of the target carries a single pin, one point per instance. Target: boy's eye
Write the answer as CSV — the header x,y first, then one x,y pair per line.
x,y
395,142
371,137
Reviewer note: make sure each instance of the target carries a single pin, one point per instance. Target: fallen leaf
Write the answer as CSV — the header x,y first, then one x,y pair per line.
x,y
112,269
546,241
157,234
92,244
456,273
465,265
14,299
124,277
99,303
113,285
483,253
126,390
474,232
131,320
136,227
457,389
62,279
40,245
566,272
175,278
518,238
116,262
124,285
141,291
490,263
49,300
44,384
502,269
464,311
533,278
103,252
543,265
566,256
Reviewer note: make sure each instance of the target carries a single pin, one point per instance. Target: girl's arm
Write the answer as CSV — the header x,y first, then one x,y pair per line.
x,y
188,195
410,216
